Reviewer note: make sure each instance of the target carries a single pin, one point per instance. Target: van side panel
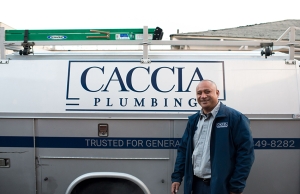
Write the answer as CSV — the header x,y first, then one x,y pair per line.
x,y
20,176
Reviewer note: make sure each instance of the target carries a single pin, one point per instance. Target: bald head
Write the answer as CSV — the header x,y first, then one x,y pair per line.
x,y
207,95
210,81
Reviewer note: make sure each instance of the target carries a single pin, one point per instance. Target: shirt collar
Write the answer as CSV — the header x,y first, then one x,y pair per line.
x,y
214,111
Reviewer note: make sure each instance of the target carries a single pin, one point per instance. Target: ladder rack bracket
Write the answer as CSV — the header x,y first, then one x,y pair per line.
x,y
290,62
296,116
158,34
5,61
143,61
268,49
27,48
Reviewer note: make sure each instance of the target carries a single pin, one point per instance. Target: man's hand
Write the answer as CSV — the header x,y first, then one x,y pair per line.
x,y
175,187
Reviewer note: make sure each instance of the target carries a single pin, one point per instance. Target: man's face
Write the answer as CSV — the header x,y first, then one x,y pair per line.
x,y
207,95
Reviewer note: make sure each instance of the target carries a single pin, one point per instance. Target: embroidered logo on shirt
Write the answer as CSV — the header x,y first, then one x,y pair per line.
x,y
222,125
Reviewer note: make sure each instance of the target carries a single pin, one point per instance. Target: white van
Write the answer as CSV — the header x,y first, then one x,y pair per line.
x,y
109,122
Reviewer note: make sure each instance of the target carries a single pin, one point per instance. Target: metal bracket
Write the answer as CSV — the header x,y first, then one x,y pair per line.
x,y
145,61
5,61
145,58
2,47
158,34
290,62
268,49
296,116
28,46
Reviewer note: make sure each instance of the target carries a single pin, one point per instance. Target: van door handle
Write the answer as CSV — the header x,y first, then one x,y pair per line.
x,y
4,162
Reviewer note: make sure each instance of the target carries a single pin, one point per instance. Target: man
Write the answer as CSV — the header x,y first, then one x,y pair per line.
x,y
216,151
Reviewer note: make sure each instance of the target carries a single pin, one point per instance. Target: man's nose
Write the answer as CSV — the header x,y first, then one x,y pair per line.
x,y
203,96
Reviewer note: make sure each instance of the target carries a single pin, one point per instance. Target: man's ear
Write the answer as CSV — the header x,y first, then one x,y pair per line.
x,y
218,92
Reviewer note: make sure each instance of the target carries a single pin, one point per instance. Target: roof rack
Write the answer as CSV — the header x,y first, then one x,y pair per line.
x,y
110,37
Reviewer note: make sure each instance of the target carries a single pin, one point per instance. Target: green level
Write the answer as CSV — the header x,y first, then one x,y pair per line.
x,y
77,34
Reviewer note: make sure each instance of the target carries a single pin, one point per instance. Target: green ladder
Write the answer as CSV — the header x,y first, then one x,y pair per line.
x,y
82,34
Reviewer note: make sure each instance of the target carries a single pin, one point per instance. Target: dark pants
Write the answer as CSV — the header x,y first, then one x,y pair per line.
x,y
200,187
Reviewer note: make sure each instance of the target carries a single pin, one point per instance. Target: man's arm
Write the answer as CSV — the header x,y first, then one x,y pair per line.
x,y
244,146
179,168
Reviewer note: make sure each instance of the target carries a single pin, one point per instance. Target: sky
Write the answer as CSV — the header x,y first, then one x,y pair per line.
x,y
184,15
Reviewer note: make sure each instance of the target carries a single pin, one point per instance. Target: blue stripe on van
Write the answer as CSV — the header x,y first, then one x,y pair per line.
x,y
119,143
13,141
128,143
